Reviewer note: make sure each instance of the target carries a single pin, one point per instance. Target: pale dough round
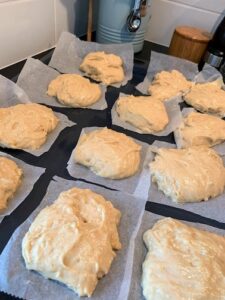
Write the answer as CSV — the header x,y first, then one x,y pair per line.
x,y
167,85
188,175
201,129
208,98
145,113
183,263
73,239
103,67
108,153
10,180
25,126
74,90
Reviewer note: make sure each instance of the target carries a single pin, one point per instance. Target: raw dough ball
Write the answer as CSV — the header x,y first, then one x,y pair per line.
x,y
183,263
72,240
188,175
103,67
208,98
108,153
10,180
74,90
167,85
25,126
201,129
145,113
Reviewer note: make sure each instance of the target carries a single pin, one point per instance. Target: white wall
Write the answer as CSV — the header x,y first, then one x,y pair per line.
x,y
167,14
28,27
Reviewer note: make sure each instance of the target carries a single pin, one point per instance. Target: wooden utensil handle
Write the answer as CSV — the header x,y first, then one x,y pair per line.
x,y
90,19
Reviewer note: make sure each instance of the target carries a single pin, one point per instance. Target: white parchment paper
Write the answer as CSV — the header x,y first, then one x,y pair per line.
x,y
30,175
162,62
209,74
139,251
173,111
138,184
220,148
17,281
213,208
70,52
11,94
35,78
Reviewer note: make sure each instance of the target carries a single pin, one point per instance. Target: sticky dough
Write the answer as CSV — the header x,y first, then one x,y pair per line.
x,y
145,113
25,126
167,85
108,153
72,240
188,175
74,90
103,67
10,180
208,98
183,263
200,129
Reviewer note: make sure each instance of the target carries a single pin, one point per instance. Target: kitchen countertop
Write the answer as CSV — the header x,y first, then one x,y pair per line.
x,y
64,145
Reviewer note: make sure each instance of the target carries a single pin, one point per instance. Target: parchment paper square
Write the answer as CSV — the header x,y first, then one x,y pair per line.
x,y
35,78
213,208
70,52
162,62
137,184
173,111
139,251
11,94
16,280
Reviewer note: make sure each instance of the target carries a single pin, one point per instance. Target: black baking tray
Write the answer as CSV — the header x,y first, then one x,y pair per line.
x,y
55,160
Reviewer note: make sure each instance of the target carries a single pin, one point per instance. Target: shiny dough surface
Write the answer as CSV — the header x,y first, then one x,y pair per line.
x,y
74,90
103,67
145,113
167,85
201,129
207,98
10,180
73,240
108,153
183,263
188,175
25,126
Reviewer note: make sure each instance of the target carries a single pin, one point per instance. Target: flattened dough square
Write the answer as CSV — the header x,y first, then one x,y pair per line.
x,y
145,113
74,90
183,263
26,126
108,153
73,240
103,67
200,129
193,174
207,98
10,180
167,85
